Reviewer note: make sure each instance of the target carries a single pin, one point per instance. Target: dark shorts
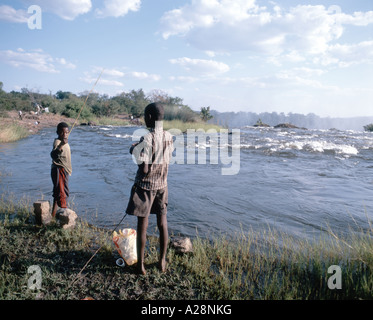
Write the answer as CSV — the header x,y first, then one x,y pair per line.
x,y
144,202
60,179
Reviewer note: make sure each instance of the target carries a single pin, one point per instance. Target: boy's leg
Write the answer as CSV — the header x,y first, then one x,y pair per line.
x,y
63,184
54,176
163,240
54,208
142,225
60,181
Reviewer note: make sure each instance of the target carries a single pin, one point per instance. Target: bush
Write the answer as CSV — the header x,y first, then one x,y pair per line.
x,y
69,104
73,107
183,113
369,127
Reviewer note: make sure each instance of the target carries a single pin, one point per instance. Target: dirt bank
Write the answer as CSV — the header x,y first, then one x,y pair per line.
x,y
35,122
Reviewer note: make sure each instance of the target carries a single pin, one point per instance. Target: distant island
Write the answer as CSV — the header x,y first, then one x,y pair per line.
x,y
260,123
272,119
288,126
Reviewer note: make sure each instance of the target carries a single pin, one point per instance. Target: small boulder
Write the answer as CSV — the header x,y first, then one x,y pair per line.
x,y
182,244
66,218
41,211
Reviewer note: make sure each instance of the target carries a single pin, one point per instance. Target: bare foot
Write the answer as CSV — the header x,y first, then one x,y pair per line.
x,y
141,270
162,265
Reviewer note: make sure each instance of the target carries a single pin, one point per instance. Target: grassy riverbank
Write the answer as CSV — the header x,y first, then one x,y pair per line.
x,y
12,132
184,126
250,265
12,128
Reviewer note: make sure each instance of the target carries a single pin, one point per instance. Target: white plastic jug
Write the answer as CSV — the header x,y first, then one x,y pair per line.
x,y
125,242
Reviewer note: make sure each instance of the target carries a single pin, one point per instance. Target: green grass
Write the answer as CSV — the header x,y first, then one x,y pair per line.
x,y
184,126
12,132
105,121
264,264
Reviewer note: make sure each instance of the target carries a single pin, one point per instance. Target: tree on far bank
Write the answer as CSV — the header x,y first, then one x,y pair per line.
x,y
205,114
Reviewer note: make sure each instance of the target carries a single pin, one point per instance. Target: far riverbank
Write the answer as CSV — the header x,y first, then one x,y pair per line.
x,y
13,128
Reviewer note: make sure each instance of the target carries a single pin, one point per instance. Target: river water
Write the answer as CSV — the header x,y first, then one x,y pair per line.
x,y
301,182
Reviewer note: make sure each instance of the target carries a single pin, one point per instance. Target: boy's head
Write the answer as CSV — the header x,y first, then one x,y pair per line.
x,y
63,130
153,112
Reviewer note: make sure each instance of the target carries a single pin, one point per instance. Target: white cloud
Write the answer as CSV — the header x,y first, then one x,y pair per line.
x,y
291,57
245,26
184,79
109,82
346,55
308,72
66,64
111,77
71,9
118,8
10,14
65,9
89,78
205,13
211,54
35,59
144,76
356,19
283,35
113,72
200,66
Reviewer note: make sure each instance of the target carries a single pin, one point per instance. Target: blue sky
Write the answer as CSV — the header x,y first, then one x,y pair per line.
x,y
232,55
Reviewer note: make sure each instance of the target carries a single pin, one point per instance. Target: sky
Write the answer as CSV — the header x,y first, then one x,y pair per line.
x,y
232,55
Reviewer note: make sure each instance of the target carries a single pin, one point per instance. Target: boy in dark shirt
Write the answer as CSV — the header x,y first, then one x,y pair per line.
x,y
61,167
149,193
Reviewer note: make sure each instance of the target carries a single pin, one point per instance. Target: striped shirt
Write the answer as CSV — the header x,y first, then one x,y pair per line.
x,y
154,150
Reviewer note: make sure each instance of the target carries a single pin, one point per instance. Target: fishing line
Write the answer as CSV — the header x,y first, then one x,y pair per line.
x,y
89,260
86,101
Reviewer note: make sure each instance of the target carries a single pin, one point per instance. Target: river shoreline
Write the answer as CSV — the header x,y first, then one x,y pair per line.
x,y
244,268
31,123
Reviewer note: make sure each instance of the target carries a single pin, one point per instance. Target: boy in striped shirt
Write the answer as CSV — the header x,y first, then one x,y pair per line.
x,y
149,193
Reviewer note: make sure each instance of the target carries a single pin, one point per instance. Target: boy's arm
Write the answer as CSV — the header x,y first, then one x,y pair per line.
x,y
139,155
57,150
135,144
